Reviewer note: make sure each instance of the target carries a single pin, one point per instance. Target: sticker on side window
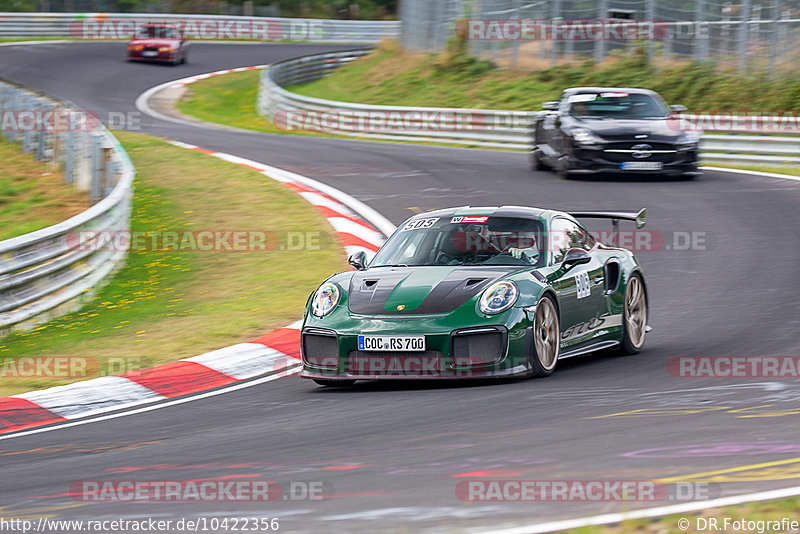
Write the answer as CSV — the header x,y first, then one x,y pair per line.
x,y
418,224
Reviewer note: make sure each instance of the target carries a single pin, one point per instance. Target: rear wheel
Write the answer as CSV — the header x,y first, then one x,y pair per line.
x,y
546,338
334,383
634,316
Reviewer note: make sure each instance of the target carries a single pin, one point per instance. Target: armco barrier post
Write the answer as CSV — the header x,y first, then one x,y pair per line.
x,y
69,157
96,147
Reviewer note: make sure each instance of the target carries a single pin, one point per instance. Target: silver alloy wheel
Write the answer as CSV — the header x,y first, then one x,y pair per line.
x,y
546,334
635,311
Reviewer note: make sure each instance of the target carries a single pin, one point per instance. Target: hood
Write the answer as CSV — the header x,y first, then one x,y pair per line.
x,y
656,130
419,290
155,42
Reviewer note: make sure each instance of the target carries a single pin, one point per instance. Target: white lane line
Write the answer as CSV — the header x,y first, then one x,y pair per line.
x,y
213,393
754,173
605,519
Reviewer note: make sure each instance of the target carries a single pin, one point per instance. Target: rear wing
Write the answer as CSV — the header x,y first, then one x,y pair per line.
x,y
639,217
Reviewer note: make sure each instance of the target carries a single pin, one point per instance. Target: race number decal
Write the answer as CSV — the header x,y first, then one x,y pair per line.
x,y
418,224
582,285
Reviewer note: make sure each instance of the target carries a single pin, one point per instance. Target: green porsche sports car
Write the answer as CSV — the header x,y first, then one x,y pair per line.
x,y
476,292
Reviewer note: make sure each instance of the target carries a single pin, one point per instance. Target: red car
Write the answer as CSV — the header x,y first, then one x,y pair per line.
x,y
158,42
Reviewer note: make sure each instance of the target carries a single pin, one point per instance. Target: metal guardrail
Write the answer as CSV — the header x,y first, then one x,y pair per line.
x,y
55,270
486,128
215,27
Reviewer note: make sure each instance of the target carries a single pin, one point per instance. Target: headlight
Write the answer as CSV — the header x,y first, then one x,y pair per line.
x,y
165,49
325,299
585,137
689,137
498,297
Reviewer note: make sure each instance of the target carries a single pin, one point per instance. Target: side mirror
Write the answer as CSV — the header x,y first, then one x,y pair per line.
x,y
358,260
677,108
576,256
550,105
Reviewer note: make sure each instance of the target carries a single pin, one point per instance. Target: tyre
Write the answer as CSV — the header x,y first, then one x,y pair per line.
x,y
562,169
334,383
546,338
634,316
536,162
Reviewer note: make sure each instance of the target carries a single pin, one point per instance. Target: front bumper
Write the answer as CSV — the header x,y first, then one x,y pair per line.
x,y
161,57
600,159
469,352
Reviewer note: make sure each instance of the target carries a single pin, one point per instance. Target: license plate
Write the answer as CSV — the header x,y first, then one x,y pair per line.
x,y
149,53
391,343
641,165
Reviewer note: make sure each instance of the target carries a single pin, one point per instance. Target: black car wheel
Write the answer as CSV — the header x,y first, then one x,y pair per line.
x,y
562,169
546,338
536,162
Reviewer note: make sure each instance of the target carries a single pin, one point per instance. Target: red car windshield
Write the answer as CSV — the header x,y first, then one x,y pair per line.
x,y
157,32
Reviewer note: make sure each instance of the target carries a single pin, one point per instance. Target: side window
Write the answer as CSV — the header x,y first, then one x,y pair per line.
x,y
564,235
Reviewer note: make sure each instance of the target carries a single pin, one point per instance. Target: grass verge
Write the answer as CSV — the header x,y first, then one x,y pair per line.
x,y
167,304
32,194
698,522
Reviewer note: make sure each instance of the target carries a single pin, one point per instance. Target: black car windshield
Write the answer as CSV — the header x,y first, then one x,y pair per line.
x,y
617,105
464,240
159,32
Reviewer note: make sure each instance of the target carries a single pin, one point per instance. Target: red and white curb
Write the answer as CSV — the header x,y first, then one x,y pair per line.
x,y
192,79
276,354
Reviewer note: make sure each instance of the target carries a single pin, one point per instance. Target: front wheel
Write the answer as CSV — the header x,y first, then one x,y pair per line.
x,y
546,338
562,169
536,162
634,316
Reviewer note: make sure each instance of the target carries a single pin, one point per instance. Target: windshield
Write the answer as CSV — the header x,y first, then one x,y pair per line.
x,y
160,32
617,105
465,240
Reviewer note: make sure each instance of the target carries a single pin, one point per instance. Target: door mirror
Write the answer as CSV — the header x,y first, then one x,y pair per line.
x,y
358,260
576,256
677,108
550,105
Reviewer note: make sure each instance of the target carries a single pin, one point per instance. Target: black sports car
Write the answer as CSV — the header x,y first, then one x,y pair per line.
x,y
610,129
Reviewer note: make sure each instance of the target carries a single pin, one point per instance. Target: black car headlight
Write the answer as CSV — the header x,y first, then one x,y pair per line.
x,y
689,137
582,136
325,299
